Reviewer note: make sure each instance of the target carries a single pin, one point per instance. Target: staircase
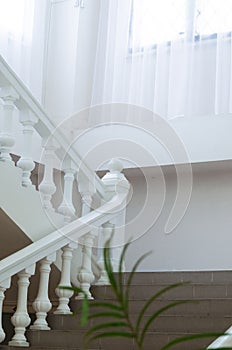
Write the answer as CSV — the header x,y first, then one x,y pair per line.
x,y
209,311
59,243
51,234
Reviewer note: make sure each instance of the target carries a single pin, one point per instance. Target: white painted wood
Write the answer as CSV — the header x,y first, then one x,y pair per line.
x,y
65,294
23,205
26,163
106,233
224,341
59,238
42,304
85,275
21,318
86,200
3,286
115,182
47,187
87,191
66,207
45,126
118,239
7,139
34,117
2,296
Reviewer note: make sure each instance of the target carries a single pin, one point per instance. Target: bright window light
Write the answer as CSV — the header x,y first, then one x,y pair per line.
x,y
156,21
16,18
214,16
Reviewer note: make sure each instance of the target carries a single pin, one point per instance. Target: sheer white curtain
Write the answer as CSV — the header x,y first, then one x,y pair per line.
x,y
22,39
173,57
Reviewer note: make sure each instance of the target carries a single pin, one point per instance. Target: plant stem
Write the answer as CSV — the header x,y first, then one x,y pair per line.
x,y
130,324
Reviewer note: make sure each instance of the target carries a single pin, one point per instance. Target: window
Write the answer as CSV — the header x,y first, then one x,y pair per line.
x,y
213,16
156,21
12,19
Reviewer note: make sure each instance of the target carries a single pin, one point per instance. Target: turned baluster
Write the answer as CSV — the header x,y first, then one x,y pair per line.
x,y
42,304
47,187
3,286
106,233
26,163
21,319
85,275
7,140
86,189
66,207
65,294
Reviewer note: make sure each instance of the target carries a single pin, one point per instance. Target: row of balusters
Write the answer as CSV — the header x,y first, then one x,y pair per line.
x,y
8,98
42,305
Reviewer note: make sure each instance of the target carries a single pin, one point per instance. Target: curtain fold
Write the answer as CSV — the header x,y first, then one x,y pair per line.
x,y
22,39
185,70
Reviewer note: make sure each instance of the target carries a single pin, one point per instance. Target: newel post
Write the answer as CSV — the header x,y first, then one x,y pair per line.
x,y
26,163
7,140
115,182
85,274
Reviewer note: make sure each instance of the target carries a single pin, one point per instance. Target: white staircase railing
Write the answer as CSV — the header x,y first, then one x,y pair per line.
x,y
113,190
224,341
14,94
44,251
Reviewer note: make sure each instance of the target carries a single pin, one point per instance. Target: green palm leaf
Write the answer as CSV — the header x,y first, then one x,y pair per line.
x,y
104,326
155,315
106,305
119,310
109,268
192,337
74,289
122,256
85,311
85,303
230,348
153,298
106,314
111,334
138,262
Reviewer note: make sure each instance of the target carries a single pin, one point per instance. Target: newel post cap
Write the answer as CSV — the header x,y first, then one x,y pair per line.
x,y
114,180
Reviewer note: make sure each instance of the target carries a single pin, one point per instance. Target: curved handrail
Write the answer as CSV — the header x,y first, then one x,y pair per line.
x,y
45,127
224,341
56,240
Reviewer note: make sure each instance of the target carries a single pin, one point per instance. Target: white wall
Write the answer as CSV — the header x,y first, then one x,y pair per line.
x,y
147,143
202,240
